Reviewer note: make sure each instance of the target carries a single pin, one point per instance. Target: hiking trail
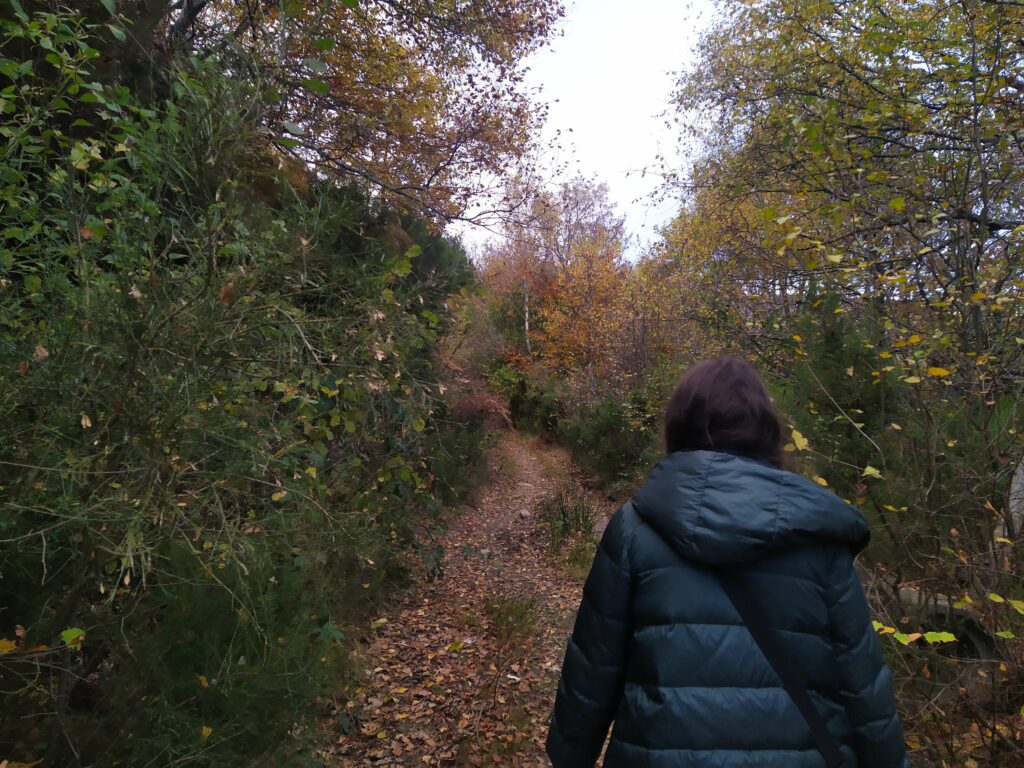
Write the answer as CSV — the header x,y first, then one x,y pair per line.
x,y
464,670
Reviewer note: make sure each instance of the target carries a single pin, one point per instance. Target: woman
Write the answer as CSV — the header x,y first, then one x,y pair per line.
x,y
658,645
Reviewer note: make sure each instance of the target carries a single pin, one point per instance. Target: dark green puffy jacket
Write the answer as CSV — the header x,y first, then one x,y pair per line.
x,y
659,649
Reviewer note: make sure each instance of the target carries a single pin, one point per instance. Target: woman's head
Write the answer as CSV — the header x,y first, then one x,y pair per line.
x,y
722,405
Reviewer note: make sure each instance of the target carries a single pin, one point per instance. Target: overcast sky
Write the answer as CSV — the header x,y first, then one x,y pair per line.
x,y
607,80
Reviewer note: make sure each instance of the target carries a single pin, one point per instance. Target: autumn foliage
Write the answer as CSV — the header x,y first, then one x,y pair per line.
x,y
862,182
852,221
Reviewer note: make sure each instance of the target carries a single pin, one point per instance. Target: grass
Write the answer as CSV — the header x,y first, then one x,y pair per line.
x,y
569,519
580,556
512,618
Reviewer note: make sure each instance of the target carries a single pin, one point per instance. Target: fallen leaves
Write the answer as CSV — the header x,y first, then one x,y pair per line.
x,y
451,680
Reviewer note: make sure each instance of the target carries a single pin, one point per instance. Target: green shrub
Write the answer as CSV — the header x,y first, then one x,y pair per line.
x,y
614,439
219,417
611,438
535,403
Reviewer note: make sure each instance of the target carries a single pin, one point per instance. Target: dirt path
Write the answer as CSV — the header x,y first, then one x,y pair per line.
x,y
464,671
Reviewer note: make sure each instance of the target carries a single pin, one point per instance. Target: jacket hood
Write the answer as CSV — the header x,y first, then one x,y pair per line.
x,y
719,508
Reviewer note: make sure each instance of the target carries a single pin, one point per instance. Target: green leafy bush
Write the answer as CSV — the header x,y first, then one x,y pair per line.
x,y
535,402
219,412
613,439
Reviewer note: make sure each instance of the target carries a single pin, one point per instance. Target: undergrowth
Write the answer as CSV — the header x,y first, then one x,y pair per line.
x,y
568,518
220,415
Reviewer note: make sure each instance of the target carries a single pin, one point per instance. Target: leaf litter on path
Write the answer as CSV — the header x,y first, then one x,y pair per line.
x,y
464,671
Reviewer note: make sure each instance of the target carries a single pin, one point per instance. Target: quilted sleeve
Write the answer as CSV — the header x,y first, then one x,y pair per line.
x,y
866,682
592,674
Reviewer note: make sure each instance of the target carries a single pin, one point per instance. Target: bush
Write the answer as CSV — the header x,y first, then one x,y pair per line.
x,y
570,523
614,439
611,439
928,457
218,416
535,402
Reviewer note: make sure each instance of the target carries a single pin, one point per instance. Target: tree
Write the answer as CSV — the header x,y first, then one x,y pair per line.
x,y
423,101
583,314
861,188
558,238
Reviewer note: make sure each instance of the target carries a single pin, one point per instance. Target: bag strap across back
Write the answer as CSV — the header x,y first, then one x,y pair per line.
x,y
768,641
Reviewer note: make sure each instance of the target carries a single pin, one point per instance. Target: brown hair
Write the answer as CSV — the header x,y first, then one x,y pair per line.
x,y
722,405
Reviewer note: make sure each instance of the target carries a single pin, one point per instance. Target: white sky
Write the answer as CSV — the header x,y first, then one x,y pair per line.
x,y
607,81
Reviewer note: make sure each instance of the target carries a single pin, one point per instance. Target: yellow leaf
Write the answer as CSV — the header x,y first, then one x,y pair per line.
x,y
979,296
6,646
311,471
800,441
870,471
996,598
821,481
204,733
938,372
203,681
913,379
279,495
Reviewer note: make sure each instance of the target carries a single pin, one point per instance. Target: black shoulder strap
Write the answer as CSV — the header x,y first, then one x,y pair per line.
x,y
792,678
